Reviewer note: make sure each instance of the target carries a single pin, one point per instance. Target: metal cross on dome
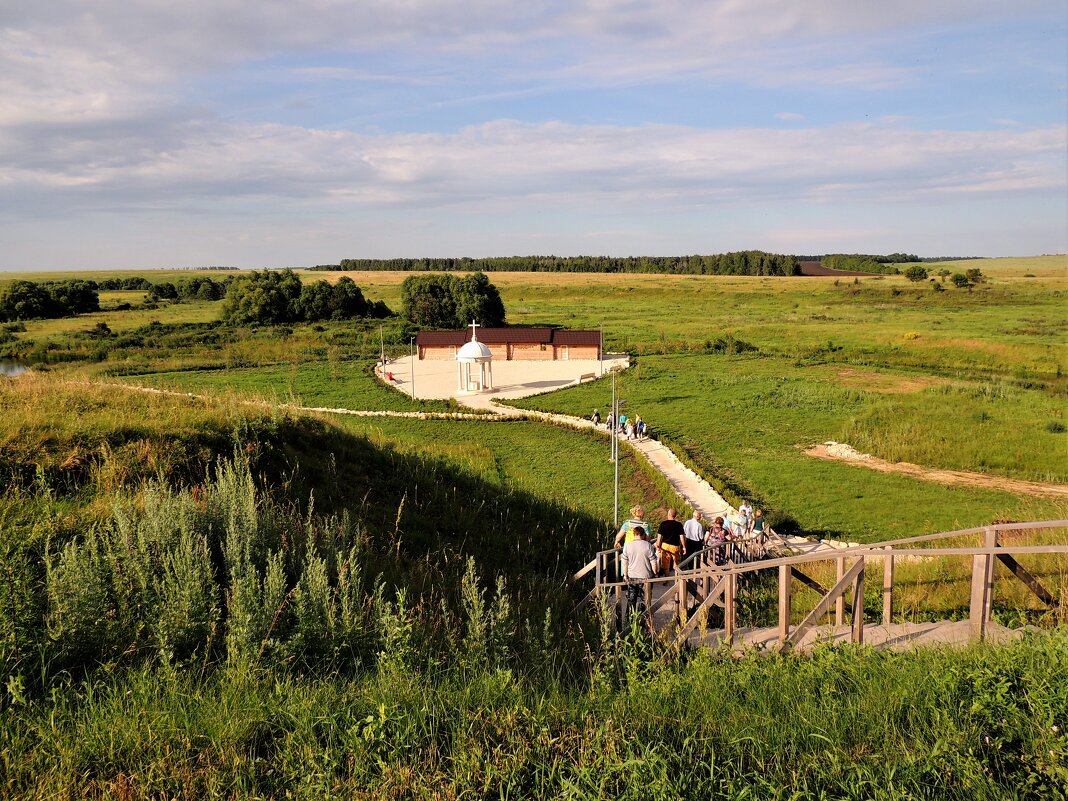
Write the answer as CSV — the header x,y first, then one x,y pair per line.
x,y
474,325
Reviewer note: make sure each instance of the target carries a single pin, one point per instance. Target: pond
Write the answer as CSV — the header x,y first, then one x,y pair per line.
x,y
11,369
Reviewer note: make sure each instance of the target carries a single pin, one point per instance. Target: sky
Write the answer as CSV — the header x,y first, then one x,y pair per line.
x,y
289,133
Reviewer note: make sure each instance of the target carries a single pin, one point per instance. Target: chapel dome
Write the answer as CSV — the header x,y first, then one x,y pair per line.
x,y
474,350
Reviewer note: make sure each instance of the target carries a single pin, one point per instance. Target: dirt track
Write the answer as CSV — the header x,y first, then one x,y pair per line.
x,y
843,453
816,268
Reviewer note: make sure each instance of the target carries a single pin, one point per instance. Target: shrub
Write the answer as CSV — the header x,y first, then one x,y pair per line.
x,y
916,273
1056,427
960,280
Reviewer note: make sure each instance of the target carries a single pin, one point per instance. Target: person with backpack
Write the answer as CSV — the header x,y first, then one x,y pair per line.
x,y
595,418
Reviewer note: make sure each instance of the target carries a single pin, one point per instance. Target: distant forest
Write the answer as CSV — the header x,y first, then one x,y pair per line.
x,y
748,262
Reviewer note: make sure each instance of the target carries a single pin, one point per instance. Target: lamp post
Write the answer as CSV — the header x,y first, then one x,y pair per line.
x,y
615,455
413,367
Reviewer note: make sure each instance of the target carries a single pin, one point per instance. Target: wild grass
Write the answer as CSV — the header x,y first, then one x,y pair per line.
x,y
211,600
743,420
979,723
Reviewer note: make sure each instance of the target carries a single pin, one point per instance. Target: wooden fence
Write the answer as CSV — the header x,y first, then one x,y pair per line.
x,y
712,584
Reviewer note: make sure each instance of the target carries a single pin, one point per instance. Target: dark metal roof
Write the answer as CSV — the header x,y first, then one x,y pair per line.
x,y
500,336
577,338
431,338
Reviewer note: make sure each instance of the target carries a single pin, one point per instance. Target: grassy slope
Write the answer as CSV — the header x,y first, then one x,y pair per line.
x,y
895,369
744,417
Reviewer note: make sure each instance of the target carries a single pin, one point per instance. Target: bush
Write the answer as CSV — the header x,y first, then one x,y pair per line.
x,y
263,298
1056,427
916,273
440,300
960,280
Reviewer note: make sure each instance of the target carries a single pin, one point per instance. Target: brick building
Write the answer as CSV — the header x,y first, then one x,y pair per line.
x,y
508,344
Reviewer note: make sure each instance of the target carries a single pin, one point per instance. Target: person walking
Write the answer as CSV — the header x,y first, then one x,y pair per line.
x,y
639,427
595,418
639,564
758,527
745,515
716,541
635,521
694,540
669,542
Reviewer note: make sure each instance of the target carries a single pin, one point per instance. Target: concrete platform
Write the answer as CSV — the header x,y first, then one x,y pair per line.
x,y
435,379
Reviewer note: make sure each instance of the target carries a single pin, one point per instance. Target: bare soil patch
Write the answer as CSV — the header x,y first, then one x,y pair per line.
x,y
838,451
886,383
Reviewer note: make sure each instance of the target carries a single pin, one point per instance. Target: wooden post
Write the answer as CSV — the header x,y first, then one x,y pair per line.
x,y
858,607
729,610
680,583
982,595
598,572
784,602
991,539
888,586
839,604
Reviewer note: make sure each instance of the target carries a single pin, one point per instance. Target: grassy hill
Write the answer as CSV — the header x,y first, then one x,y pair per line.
x,y
202,599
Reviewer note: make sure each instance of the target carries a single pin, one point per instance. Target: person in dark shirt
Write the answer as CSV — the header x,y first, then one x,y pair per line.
x,y
669,542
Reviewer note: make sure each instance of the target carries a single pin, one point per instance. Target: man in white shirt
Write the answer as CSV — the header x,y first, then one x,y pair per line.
x,y
695,535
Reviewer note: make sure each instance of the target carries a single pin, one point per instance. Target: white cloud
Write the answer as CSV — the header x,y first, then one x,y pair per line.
x,y
509,161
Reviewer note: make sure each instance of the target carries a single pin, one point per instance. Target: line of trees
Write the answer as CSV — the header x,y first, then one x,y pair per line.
x,y
196,288
440,300
748,262
30,300
278,296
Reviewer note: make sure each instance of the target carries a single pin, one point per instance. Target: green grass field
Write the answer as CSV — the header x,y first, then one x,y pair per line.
x,y
960,379
745,418
207,598
347,385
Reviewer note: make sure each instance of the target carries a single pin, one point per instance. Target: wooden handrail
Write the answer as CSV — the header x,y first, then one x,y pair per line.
x,y
826,556
824,604
983,560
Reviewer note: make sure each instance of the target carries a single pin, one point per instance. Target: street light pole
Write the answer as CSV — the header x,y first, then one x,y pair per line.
x,y
615,456
600,353
413,367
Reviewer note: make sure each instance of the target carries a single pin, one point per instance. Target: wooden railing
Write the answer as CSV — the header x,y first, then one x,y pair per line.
x,y
701,579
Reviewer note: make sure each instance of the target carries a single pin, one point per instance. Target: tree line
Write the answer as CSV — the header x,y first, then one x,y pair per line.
x,y
748,262
265,297
278,296
30,300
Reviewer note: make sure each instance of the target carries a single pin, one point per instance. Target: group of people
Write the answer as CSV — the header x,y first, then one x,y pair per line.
x,y
643,558
630,428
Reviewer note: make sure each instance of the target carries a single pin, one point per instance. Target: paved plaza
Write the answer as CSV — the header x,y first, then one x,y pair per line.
x,y
436,378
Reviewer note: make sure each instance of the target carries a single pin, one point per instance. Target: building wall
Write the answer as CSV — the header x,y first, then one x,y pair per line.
x,y
580,351
500,352
532,352
437,352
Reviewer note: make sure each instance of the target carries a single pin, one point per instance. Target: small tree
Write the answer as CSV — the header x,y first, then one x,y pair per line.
x,y
960,280
263,298
975,275
916,273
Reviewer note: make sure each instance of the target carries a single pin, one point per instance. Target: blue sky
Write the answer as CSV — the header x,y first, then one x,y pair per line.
x,y
296,132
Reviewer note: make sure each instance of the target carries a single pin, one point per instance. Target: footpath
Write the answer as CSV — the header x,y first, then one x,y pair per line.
x,y
690,486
